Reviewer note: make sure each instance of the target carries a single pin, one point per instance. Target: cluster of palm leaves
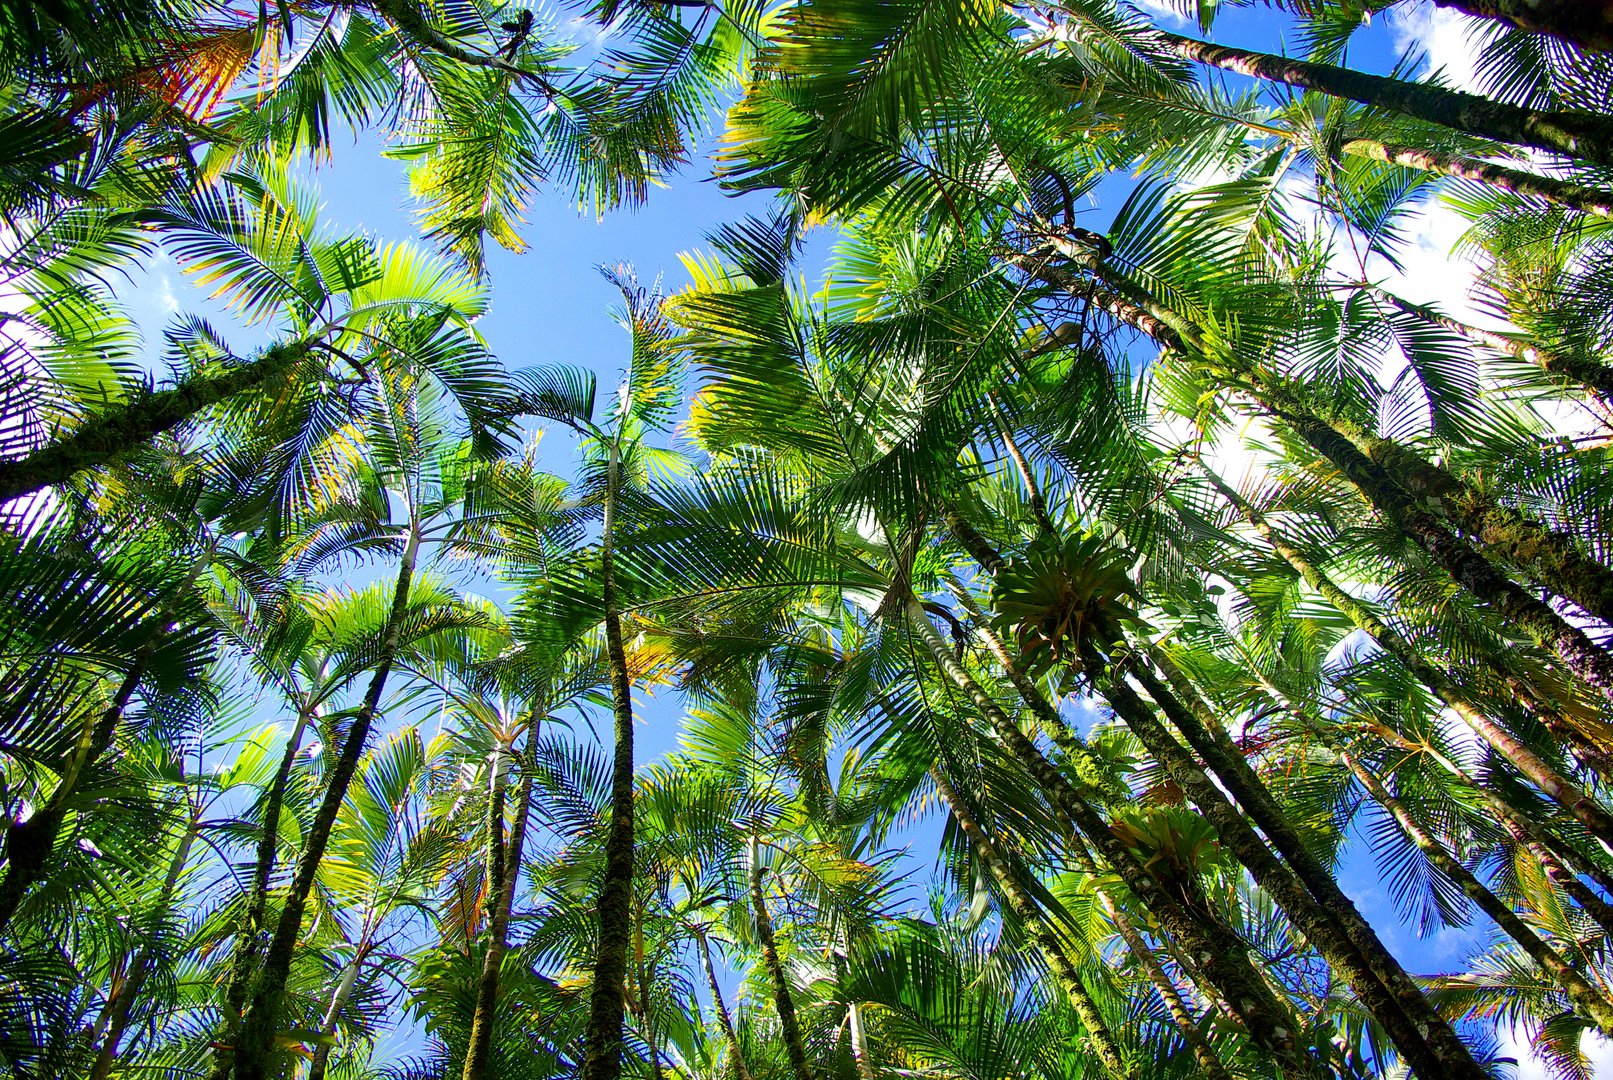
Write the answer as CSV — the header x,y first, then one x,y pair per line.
x,y
1138,573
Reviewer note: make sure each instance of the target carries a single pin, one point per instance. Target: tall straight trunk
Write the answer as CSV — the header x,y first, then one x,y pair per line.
x,y
506,856
1562,192
1588,136
115,1018
124,427
859,1042
1029,913
607,1003
1592,1005
783,1001
1209,1064
30,844
1579,654
253,1056
1595,377
1219,953
1315,905
1559,788
736,1058
249,939
1587,24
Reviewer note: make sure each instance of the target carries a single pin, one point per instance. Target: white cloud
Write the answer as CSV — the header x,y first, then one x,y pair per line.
x,y
1515,1043
1444,37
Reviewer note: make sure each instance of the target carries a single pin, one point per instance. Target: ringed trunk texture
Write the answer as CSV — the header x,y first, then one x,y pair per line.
x,y
1029,914
1592,1006
1587,24
261,1020
1209,1063
338,1001
1583,135
607,1001
783,1002
1425,1042
124,427
1218,952
1588,200
1560,789
736,1059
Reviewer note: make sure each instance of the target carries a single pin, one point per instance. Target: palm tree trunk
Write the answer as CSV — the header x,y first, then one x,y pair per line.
x,y
252,1057
338,1000
859,1042
1209,1063
248,942
1221,955
1312,900
124,427
736,1059
783,1002
506,857
1594,376
1562,192
1587,136
115,1019
606,1017
1587,24
1559,788
1591,1004
1029,914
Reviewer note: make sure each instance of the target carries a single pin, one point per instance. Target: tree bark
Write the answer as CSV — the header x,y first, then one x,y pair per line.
x,y
503,869
1588,200
338,1000
1592,1005
252,1059
1587,24
607,1003
124,427
1025,908
736,1058
1219,953
1588,136
783,1002
1209,1063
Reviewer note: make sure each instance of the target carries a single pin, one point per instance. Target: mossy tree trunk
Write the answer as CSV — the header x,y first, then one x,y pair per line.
x,y
778,979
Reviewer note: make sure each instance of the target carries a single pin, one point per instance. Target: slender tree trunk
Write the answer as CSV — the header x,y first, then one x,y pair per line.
x,y
1560,789
736,1059
1329,920
261,1020
249,942
501,900
1219,953
115,1018
1594,376
1587,24
338,1001
1562,192
1591,1004
783,1002
1210,1067
1588,136
859,1043
124,427
606,1018
1025,908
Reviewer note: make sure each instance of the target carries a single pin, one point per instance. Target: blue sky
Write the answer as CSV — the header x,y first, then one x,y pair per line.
x,y
551,306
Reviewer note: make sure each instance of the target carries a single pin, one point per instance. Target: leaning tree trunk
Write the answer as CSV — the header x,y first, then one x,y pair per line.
x,y
1025,908
124,427
1587,24
783,1001
1562,192
248,943
1222,955
1325,916
338,1001
503,868
607,1002
1588,136
115,1018
736,1058
261,1020
1592,1005
1210,1066
1559,788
